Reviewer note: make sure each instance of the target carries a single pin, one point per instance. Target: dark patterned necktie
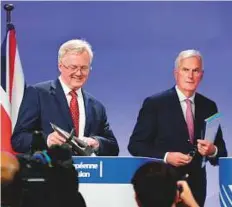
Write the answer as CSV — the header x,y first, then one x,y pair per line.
x,y
74,109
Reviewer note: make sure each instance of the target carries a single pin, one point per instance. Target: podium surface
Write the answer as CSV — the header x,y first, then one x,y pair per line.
x,y
106,181
225,181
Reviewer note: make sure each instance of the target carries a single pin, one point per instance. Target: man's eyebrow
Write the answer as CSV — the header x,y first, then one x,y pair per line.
x,y
191,69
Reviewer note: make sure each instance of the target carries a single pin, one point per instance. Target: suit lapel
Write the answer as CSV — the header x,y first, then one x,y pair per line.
x,y
57,91
199,124
179,113
88,117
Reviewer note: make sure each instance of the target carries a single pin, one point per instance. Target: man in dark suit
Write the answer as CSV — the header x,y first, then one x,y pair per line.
x,y
171,124
64,103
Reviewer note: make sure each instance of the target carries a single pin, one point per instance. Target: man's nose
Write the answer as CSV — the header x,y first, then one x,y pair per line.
x,y
78,72
190,74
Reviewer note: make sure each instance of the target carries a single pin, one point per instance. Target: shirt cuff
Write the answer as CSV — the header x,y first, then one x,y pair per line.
x,y
214,154
165,157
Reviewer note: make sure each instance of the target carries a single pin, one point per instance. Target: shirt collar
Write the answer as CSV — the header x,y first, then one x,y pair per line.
x,y
66,89
182,97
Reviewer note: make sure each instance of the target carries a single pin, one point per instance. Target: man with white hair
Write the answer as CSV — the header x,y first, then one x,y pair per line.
x,y
170,125
64,103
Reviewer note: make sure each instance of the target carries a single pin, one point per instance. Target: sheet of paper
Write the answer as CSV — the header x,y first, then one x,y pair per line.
x,y
212,125
211,128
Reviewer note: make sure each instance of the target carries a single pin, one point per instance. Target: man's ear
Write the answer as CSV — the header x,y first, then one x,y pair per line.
x,y
175,73
59,66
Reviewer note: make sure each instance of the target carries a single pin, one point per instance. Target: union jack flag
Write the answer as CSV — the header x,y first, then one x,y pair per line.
x,y
12,87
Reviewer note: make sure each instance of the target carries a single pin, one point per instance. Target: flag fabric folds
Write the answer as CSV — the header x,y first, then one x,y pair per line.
x,y
12,87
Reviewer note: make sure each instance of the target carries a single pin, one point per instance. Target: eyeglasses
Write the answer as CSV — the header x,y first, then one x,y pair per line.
x,y
74,68
195,71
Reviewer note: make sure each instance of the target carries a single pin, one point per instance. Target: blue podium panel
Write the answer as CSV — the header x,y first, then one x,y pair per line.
x,y
106,181
225,181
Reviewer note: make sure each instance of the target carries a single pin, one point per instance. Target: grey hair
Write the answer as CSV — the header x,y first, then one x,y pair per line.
x,y
76,45
186,54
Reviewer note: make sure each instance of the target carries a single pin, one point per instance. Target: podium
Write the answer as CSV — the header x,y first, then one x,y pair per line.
x,y
225,181
106,181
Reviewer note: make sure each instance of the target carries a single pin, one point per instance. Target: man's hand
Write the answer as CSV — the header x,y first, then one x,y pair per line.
x,y
54,138
186,195
91,142
178,159
205,147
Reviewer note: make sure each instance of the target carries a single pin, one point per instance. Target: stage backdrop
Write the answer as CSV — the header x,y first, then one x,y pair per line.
x,y
135,45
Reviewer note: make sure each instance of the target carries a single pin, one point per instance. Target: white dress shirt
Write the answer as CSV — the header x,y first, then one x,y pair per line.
x,y
183,103
81,104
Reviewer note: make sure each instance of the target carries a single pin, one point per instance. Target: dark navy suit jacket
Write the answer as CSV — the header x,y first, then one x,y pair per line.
x,y
46,102
161,128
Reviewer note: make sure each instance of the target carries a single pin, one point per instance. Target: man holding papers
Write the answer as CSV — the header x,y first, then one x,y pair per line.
x,y
171,126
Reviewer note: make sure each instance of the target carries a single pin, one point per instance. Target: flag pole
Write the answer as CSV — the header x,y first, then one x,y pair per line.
x,y
8,8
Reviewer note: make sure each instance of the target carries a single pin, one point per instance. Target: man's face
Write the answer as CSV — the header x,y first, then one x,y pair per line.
x,y
74,68
188,75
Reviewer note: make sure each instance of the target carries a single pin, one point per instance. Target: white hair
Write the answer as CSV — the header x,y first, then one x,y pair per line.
x,y
76,45
186,54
